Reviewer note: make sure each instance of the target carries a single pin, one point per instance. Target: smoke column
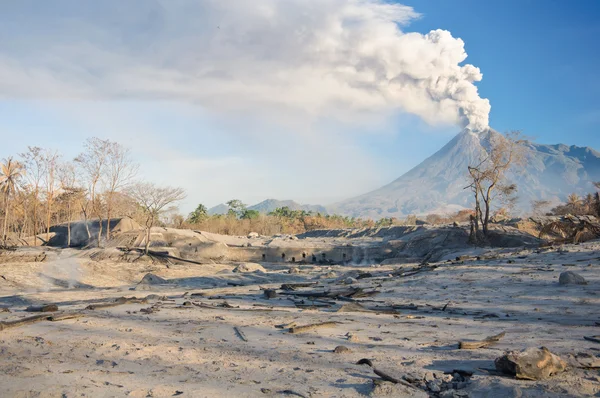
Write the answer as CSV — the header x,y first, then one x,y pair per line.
x,y
316,57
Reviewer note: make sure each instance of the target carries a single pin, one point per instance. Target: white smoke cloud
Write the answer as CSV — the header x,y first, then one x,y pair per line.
x,y
335,58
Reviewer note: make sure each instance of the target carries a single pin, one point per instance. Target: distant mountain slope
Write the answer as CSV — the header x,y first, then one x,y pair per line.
x,y
218,209
437,184
269,205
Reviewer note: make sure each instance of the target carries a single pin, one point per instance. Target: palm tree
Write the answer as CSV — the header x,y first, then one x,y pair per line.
x,y
11,172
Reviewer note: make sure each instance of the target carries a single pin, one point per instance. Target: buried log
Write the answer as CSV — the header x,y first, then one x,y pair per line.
x,y
38,318
306,328
117,302
354,292
64,316
384,375
42,308
472,345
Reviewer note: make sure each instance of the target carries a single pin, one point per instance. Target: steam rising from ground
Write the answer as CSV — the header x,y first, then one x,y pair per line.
x,y
318,58
64,272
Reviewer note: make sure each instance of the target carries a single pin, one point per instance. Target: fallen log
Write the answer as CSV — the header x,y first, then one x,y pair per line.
x,y
306,328
472,345
42,308
23,321
117,302
384,375
38,318
240,334
294,286
65,316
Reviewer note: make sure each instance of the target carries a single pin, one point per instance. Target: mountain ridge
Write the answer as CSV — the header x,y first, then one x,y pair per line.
x,y
437,184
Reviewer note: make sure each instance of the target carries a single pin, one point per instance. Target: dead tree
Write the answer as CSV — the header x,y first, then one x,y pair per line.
x,y
153,200
120,171
489,180
93,162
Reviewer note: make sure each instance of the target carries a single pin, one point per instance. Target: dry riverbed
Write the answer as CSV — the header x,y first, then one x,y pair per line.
x,y
206,331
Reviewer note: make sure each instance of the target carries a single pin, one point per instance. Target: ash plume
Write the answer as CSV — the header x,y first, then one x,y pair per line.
x,y
316,58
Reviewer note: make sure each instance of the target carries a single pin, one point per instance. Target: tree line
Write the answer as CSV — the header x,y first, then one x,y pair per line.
x,y
41,189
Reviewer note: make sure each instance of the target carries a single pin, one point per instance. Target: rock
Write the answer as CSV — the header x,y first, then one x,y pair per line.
x,y
151,279
253,235
342,350
294,270
434,385
349,281
571,278
530,364
249,267
270,293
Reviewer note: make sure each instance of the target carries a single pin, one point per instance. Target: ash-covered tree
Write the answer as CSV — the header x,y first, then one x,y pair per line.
x,y
153,200
120,171
93,162
489,183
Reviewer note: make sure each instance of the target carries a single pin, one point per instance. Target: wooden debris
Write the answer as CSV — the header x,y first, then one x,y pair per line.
x,y
294,286
64,316
42,308
472,345
117,302
240,334
384,375
306,328
23,321
38,318
286,325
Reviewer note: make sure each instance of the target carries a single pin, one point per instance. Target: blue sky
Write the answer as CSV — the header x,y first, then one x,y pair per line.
x,y
292,100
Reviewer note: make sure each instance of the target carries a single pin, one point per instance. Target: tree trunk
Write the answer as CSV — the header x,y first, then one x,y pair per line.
x,y
35,220
48,220
4,236
148,228
68,224
108,225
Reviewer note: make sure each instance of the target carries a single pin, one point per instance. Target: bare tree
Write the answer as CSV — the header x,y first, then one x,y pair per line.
x,y
488,179
93,162
33,161
120,171
153,200
50,160
71,193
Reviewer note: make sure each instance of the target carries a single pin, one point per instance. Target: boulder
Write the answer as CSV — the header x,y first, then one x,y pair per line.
x,y
530,364
571,278
249,267
253,235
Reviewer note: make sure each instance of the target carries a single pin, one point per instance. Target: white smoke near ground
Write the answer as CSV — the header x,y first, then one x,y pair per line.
x,y
64,272
317,58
